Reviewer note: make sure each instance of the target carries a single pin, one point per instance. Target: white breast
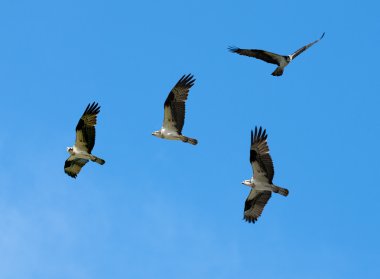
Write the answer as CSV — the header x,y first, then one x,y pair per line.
x,y
169,134
261,185
80,153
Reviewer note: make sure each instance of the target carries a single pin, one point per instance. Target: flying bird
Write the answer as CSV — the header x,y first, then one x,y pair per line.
x,y
280,60
261,181
174,111
80,153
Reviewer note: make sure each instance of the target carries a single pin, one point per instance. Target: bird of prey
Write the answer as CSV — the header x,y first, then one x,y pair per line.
x,y
280,60
261,182
80,153
174,111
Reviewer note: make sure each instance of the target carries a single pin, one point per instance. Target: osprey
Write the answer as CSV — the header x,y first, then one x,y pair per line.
x,y
174,111
261,182
280,60
80,153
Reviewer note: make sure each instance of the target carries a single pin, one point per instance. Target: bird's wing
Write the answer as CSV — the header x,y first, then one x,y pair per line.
x,y
85,130
174,106
73,166
254,204
266,56
302,49
261,161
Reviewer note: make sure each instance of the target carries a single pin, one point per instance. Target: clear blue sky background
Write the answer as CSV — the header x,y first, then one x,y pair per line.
x,y
164,209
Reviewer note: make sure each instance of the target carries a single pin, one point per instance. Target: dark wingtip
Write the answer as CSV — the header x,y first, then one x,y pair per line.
x,y
187,80
88,106
264,136
260,134
233,48
73,175
249,220
322,36
92,108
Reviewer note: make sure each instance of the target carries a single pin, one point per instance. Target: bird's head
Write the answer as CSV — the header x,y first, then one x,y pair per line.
x,y
70,150
247,182
157,134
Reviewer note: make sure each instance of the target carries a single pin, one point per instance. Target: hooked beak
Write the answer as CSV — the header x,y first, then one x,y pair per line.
x,y
246,184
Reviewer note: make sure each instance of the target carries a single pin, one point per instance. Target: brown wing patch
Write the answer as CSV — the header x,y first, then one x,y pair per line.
x,y
85,130
260,158
174,106
73,166
266,56
254,204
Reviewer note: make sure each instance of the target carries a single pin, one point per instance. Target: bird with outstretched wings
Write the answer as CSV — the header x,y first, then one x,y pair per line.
x,y
280,60
261,181
174,111
80,153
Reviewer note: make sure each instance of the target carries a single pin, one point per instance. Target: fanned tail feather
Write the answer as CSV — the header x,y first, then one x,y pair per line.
x,y
278,72
189,140
282,191
100,161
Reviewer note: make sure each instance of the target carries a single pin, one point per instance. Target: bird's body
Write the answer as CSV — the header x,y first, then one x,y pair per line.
x,y
173,135
80,153
261,181
283,61
263,185
174,112
258,184
169,134
280,60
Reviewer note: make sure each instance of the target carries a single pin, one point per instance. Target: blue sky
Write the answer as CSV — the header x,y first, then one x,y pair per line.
x,y
163,209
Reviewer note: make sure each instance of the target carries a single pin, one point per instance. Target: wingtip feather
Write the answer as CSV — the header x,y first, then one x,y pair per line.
x,y
233,48
187,80
92,108
73,175
259,135
249,220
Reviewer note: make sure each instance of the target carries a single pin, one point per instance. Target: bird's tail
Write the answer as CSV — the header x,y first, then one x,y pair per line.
x,y
189,140
278,72
279,190
98,160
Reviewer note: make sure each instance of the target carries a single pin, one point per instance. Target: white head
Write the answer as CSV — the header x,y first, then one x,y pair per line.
x,y
247,183
157,134
70,150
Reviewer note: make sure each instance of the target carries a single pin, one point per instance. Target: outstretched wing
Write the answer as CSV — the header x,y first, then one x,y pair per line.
x,y
254,204
85,130
174,106
266,56
73,166
302,49
261,161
